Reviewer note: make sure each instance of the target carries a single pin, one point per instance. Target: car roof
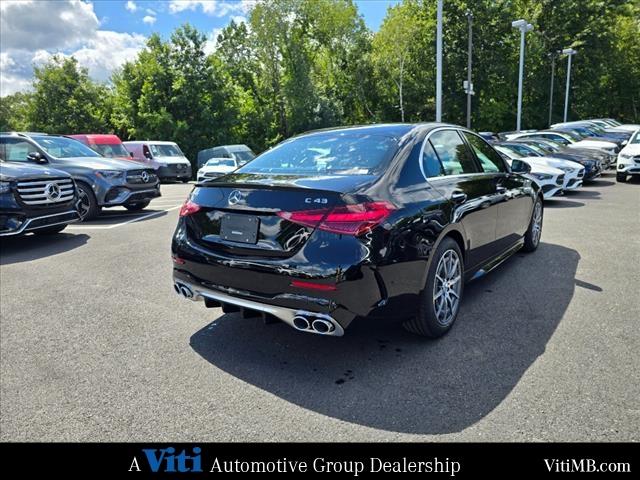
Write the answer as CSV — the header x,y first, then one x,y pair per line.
x,y
155,142
390,129
98,138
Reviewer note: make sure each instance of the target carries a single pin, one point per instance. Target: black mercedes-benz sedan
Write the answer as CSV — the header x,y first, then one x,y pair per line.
x,y
380,220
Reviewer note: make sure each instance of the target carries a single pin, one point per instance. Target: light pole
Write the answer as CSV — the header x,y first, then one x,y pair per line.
x,y
569,52
524,27
553,56
439,62
469,15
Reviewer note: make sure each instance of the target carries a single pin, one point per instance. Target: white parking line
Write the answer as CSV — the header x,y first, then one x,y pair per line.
x,y
115,225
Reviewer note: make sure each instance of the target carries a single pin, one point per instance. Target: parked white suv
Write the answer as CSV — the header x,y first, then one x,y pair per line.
x,y
217,167
629,159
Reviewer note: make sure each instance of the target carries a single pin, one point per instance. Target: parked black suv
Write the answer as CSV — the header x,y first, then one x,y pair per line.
x,y
385,220
35,199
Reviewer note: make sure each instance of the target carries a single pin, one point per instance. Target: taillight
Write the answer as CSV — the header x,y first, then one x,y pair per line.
x,y
189,208
348,219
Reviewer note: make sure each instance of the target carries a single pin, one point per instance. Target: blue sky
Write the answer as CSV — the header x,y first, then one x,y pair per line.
x,y
103,34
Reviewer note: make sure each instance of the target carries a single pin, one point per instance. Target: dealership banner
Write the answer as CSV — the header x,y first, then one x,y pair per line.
x,y
454,460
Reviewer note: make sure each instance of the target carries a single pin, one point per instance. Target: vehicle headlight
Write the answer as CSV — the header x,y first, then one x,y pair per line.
x,y
566,169
543,176
110,174
5,187
625,155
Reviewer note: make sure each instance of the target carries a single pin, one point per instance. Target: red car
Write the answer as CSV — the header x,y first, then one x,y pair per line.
x,y
107,145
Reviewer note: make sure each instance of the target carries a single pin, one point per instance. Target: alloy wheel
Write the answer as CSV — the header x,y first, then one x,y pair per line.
x,y
536,228
447,286
83,205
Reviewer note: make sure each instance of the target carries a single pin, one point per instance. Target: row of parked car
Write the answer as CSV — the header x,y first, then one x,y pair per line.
x,y
568,154
48,181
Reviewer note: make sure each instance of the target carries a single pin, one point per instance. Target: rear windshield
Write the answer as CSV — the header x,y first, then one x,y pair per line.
x,y
165,150
326,154
110,149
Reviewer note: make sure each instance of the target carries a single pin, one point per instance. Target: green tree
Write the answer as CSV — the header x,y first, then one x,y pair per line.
x,y
66,100
13,112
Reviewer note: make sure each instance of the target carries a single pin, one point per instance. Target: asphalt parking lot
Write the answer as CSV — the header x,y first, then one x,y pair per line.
x,y
96,346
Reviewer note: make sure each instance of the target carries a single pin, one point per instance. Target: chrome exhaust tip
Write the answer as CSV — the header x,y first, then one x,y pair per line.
x,y
301,323
322,326
183,290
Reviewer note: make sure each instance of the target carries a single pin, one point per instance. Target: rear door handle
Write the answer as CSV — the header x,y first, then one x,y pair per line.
x,y
459,197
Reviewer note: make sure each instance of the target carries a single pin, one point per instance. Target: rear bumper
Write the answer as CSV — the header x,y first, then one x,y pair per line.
x,y
26,225
298,318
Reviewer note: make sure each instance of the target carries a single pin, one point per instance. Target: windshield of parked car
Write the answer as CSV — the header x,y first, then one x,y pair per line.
x,y
61,147
159,150
326,154
507,151
636,137
243,156
221,162
110,149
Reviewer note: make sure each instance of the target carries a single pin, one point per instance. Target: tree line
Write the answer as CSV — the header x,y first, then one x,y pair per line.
x,y
297,65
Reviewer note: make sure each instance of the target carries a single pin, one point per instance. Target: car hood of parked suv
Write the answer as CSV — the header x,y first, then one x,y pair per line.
x,y
11,171
98,163
631,149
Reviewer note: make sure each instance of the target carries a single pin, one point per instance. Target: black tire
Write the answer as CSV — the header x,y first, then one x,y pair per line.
x,y
429,321
532,236
621,177
134,207
86,205
186,180
50,230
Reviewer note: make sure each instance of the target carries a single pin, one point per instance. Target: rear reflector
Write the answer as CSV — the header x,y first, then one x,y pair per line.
x,y
348,219
178,260
313,285
189,208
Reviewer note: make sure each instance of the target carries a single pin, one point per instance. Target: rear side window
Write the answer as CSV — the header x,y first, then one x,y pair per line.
x,y
17,150
431,165
453,153
489,158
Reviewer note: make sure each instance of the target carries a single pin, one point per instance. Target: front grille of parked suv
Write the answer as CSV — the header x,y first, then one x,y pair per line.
x,y
136,176
46,191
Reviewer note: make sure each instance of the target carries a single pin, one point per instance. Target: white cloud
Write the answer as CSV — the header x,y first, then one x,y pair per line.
x,y
131,6
215,8
150,12
31,25
149,19
212,41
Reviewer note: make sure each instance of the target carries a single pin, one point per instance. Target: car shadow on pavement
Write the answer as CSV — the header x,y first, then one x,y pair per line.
x,y
382,377
33,247
115,217
562,203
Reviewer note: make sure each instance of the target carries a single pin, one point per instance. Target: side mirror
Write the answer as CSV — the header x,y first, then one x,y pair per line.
x,y
518,166
36,157
131,154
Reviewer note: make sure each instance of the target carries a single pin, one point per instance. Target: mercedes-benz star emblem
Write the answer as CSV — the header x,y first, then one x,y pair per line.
x,y
145,176
235,197
52,191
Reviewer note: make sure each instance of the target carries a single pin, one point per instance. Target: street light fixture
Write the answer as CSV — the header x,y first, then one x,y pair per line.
x,y
553,56
524,27
569,52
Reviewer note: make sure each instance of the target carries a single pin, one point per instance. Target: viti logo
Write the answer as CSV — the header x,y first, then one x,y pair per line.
x,y
166,460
